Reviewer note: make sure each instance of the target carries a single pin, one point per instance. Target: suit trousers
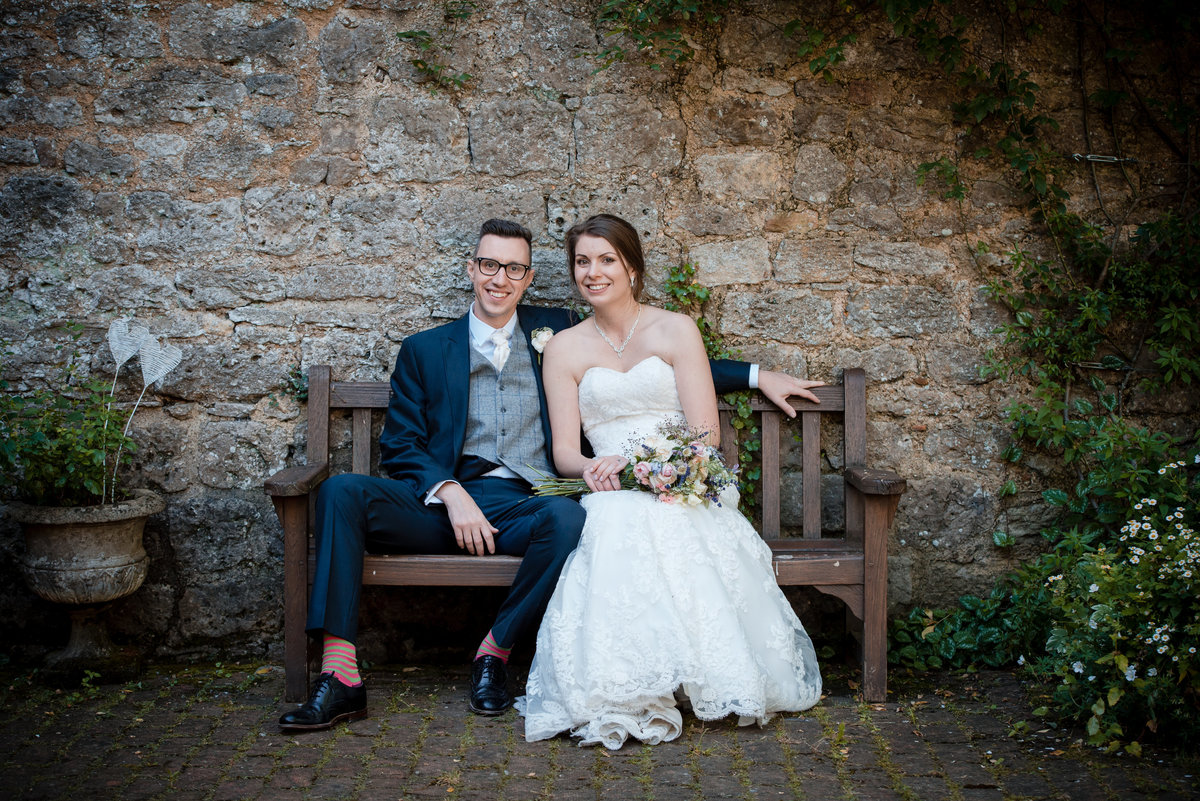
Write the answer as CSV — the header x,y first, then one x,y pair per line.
x,y
357,513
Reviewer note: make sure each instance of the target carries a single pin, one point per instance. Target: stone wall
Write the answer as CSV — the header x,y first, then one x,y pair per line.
x,y
271,185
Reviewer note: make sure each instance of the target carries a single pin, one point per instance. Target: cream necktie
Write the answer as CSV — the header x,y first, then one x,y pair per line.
x,y
501,350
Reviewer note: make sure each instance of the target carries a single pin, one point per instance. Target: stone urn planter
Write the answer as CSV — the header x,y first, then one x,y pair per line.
x,y
86,557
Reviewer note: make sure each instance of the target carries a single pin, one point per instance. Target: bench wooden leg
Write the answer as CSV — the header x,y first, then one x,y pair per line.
x,y
293,514
878,517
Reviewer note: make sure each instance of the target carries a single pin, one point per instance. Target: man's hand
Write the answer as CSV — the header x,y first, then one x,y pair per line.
x,y
472,531
778,387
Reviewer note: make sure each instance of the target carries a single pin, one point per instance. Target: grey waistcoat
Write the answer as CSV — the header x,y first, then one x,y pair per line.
x,y
504,413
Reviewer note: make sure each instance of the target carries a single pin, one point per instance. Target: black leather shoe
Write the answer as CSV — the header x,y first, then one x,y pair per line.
x,y
331,703
489,686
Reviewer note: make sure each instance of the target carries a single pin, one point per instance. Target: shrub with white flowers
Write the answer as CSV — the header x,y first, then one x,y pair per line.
x,y
1129,615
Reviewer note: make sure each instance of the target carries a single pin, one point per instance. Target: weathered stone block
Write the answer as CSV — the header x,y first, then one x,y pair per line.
x,y
454,213
744,261
752,42
92,32
745,175
374,222
39,215
273,84
955,363
782,314
222,370
901,258
987,316
820,123
230,160
340,281
907,133
228,35
556,44
353,355
735,79
351,48
310,171
263,315
637,204
514,136
171,94
239,454
702,217
158,146
737,121
228,284
907,311
952,515
417,139
132,286
57,112
819,174
84,158
168,227
615,131
883,363
274,117
809,261
881,219
17,151
282,222
977,444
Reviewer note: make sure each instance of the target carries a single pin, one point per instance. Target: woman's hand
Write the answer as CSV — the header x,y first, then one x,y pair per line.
x,y
603,474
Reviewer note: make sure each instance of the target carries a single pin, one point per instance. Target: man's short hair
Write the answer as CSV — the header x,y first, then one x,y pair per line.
x,y
506,229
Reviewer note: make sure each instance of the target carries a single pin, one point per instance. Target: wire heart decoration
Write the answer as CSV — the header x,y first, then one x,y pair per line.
x,y
157,360
125,341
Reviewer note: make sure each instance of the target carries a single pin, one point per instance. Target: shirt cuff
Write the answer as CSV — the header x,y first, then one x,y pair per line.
x,y
431,498
753,376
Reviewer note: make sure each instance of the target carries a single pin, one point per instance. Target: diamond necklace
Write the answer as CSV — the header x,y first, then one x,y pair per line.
x,y
629,336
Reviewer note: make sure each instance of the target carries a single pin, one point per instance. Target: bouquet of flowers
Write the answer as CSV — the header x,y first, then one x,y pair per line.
x,y
674,463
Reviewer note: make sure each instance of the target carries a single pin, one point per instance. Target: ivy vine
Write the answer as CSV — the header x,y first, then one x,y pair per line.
x,y
687,295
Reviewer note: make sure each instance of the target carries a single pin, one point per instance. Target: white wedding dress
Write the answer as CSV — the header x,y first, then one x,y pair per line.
x,y
661,604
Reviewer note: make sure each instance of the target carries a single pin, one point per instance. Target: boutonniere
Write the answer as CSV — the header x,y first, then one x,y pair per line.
x,y
539,339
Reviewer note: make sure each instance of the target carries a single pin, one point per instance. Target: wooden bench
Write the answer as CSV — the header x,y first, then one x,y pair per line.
x,y
851,566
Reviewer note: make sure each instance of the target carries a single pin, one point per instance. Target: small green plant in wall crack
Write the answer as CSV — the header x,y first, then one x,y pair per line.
x,y
433,48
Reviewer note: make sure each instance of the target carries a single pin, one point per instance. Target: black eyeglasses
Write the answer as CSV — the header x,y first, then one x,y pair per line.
x,y
514,270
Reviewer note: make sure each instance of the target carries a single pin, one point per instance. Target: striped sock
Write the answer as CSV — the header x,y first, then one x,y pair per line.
x,y
489,647
341,659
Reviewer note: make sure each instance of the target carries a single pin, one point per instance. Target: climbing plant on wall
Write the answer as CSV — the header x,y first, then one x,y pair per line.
x,y
1102,320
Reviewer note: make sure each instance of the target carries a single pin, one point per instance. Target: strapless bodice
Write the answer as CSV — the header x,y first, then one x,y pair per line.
x,y
619,409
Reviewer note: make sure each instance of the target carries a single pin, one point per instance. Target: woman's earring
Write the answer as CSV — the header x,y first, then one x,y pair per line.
x,y
632,281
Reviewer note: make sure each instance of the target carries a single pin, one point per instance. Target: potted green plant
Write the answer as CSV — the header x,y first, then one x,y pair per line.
x,y
62,450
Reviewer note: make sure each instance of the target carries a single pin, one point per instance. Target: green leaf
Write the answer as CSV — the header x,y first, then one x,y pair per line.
x,y
1056,497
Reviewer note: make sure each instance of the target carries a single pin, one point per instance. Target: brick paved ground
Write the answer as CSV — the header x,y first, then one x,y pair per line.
x,y
209,733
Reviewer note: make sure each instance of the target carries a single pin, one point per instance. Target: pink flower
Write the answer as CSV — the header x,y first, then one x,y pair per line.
x,y
642,471
668,473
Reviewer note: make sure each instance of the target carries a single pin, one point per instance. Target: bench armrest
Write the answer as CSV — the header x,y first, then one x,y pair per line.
x,y
869,481
298,480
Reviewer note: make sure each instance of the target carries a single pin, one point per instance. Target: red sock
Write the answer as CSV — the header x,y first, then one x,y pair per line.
x,y
490,648
341,659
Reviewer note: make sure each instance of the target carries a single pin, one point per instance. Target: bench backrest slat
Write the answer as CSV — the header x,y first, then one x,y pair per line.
x,y
810,464
361,455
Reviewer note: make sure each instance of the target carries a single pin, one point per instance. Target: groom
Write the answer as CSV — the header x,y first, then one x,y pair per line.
x,y
465,436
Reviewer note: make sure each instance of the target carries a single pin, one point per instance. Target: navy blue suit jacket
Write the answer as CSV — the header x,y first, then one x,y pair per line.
x,y
426,420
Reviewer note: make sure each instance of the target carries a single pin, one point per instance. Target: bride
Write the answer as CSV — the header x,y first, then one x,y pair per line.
x,y
662,604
